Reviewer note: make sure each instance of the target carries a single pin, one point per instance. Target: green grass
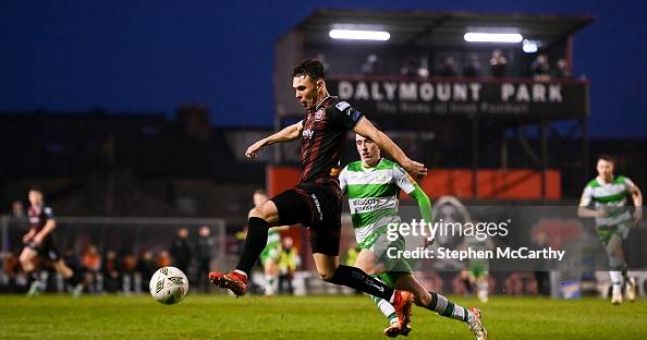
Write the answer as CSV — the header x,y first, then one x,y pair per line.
x,y
321,317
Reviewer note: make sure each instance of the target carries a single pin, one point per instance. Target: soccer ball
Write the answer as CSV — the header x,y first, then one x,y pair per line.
x,y
168,285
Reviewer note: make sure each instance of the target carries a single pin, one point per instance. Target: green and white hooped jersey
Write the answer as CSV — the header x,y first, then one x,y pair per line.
x,y
610,196
373,197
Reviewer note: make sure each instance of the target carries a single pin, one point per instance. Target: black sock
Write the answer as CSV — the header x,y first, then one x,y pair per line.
x,y
73,280
358,279
31,277
255,242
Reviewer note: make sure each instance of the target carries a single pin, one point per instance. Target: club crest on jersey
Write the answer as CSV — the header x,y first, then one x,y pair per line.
x,y
343,105
308,133
319,115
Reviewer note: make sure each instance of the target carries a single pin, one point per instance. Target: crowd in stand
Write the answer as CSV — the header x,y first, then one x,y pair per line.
x,y
468,65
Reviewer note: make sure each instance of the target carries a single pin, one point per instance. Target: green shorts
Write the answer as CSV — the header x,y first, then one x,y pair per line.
x,y
478,268
606,232
394,267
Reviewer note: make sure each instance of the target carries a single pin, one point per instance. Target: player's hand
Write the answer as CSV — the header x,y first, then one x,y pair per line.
x,y
38,239
602,212
638,215
415,169
27,238
253,149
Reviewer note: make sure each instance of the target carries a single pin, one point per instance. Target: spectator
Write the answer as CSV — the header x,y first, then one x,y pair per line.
x,y
181,250
129,267
371,65
563,69
409,68
163,259
472,67
17,209
289,260
498,64
146,266
91,263
540,68
203,251
448,67
111,272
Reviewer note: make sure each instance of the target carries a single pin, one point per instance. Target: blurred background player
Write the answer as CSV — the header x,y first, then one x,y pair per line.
x,y
40,241
270,255
608,195
373,186
475,276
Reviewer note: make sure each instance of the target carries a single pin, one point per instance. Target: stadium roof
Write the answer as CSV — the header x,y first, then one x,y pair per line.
x,y
442,28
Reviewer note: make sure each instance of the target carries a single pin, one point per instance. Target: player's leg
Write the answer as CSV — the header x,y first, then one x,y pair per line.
x,y
270,269
73,280
441,304
368,262
260,219
629,281
613,247
26,259
330,271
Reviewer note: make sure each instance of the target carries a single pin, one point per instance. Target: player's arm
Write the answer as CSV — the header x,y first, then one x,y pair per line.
x,y
365,128
637,197
288,133
411,188
583,210
343,183
50,225
29,235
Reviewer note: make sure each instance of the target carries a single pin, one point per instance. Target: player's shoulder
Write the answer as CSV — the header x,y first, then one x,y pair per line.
x,y
387,164
594,183
353,166
339,104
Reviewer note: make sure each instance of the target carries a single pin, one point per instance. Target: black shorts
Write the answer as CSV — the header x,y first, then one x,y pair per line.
x,y
47,249
316,206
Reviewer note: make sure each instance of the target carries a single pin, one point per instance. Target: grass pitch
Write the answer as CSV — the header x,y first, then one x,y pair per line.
x,y
321,317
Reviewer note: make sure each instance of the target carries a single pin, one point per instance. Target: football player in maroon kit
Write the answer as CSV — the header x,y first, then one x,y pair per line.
x,y
40,241
316,202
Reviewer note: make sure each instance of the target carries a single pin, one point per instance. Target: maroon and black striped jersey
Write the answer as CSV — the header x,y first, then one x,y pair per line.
x,y
324,138
38,216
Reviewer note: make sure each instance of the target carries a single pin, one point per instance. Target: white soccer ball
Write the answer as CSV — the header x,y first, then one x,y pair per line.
x,y
168,285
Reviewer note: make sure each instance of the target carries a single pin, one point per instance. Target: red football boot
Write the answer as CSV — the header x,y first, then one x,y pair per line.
x,y
236,281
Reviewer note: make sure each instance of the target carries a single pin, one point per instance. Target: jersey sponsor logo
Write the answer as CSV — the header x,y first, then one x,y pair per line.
x,y
343,105
308,133
360,205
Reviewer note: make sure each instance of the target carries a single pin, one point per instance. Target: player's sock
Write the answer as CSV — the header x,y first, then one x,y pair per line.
x,y
357,279
255,242
269,285
616,279
386,308
441,305
32,277
73,280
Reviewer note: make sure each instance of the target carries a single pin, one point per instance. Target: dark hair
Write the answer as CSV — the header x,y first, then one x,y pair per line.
x,y
607,158
311,67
